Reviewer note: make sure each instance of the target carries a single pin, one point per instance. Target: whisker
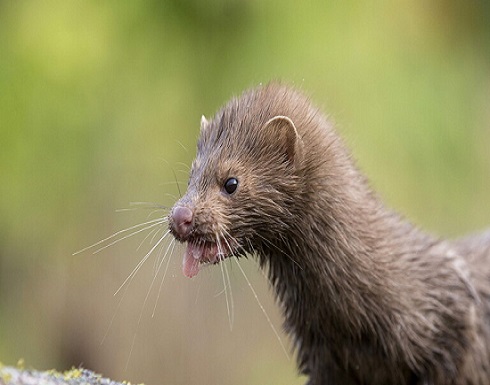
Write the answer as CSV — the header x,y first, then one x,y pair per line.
x,y
155,235
130,350
128,236
220,255
143,205
147,294
152,232
172,183
232,302
157,211
280,250
157,262
126,209
154,277
172,242
113,317
172,196
121,299
140,263
154,222
183,147
229,236
187,167
130,277
177,183
263,309
151,205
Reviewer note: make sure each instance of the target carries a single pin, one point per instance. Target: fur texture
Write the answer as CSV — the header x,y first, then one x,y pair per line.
x,y
367,297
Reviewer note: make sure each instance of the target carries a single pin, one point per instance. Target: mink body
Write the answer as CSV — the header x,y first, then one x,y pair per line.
x,y
367,297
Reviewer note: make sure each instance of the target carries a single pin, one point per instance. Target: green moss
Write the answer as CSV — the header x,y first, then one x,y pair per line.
x,y
5,377
73,373
74,376
21,364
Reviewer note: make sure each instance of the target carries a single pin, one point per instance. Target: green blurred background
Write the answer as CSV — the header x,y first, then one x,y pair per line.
x,y
100,105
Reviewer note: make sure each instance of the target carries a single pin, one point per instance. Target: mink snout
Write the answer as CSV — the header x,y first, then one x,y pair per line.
x,y
180,222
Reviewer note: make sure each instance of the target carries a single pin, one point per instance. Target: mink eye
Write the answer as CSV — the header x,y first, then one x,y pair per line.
x,y
231,185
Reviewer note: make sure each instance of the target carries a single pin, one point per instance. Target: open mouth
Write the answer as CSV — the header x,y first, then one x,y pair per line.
x,y
198,254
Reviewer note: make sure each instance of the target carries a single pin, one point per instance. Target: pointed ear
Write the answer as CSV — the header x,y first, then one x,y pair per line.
x,y
204,123
283,128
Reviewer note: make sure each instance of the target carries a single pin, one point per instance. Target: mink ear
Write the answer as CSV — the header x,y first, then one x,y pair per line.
x,y
283,128
204,123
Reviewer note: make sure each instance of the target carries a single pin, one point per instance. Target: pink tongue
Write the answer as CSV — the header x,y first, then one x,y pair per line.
x,y
190,264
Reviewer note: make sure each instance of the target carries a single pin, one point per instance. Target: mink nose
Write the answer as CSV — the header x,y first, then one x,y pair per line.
x,y
181,223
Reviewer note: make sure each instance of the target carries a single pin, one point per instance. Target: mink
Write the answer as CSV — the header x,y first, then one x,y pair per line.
x,y
367,297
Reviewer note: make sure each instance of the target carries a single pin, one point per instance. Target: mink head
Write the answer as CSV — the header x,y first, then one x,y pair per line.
x,y
246,179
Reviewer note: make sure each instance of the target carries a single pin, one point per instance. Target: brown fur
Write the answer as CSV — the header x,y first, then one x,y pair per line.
x,y
367,297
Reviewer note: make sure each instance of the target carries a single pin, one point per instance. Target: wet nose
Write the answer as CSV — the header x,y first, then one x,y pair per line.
x,y
182,221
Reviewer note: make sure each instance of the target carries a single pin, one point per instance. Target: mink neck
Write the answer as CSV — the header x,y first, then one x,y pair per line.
x,y
345,272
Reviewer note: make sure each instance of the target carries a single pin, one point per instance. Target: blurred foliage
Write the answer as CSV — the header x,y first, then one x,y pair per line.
x,y
100,104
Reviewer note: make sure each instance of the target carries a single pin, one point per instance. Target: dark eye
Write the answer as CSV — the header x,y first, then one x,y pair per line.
x,y
230,185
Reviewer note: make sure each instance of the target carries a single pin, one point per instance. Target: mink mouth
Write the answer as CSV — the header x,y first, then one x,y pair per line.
x,y
200,253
